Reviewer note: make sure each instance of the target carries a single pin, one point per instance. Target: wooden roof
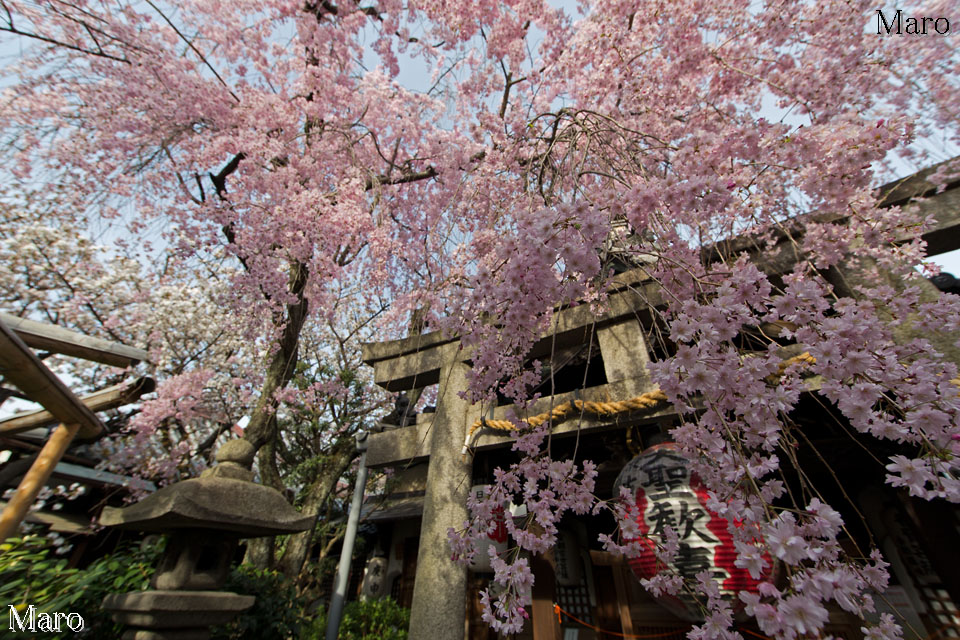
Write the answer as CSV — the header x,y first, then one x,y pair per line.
x,y
20,366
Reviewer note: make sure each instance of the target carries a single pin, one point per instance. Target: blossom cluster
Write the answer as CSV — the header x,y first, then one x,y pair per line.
x,y
548,489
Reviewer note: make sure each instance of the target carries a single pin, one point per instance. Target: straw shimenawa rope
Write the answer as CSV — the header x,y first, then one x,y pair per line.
x,y
560,413
644,402
804,359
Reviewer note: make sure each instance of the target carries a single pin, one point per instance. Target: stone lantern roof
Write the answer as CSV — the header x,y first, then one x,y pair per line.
x,y
222,499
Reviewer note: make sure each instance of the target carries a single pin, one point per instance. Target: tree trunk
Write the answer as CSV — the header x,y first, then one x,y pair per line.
x,y
261,551
267,462
283,363
261,432
318,492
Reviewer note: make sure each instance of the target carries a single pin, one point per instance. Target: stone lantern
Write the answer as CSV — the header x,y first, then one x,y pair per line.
x,y
205,517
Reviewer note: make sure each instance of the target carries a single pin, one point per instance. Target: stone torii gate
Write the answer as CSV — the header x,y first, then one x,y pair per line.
x,y
439,596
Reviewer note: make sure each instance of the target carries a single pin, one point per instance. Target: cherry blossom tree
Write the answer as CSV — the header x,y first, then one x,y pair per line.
x,y
278,140
209,368
54,271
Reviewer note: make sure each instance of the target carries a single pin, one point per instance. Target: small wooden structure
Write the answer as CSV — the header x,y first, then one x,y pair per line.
x,y
76,417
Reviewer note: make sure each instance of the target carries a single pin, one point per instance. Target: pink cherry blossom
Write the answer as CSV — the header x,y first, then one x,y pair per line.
x,y
267,184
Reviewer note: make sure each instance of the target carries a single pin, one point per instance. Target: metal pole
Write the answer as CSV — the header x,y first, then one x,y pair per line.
x,y
335,612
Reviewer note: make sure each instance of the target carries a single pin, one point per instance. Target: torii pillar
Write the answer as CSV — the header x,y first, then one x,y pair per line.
x,y
440,588
440,585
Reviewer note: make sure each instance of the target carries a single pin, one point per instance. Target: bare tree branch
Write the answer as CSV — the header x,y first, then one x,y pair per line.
x,y
194,49
66,45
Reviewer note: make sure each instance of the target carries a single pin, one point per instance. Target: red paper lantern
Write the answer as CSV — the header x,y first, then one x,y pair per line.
x,y
666,492
496,538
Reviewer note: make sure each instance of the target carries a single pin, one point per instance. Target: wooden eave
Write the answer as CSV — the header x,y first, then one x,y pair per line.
x,y
102,400
23,369
59,522
70,343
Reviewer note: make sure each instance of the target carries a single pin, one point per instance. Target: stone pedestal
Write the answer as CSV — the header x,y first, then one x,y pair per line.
x,y
174,615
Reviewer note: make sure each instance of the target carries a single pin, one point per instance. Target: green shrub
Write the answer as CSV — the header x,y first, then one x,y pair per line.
x,y
277,613
128,569
381,619
31,574
371,619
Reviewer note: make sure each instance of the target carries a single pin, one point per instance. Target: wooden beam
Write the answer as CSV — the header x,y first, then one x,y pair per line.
x,y
65,471
60,522
912,191
944,235
35,479
70,343
915,185
109,398
87,475
23,369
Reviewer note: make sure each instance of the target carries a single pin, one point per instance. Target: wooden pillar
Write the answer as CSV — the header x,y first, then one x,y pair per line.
x,y
544,618
621,583
607,611
35,478
439,592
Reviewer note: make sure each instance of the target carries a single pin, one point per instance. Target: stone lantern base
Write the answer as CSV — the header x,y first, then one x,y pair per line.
x,y
174,615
